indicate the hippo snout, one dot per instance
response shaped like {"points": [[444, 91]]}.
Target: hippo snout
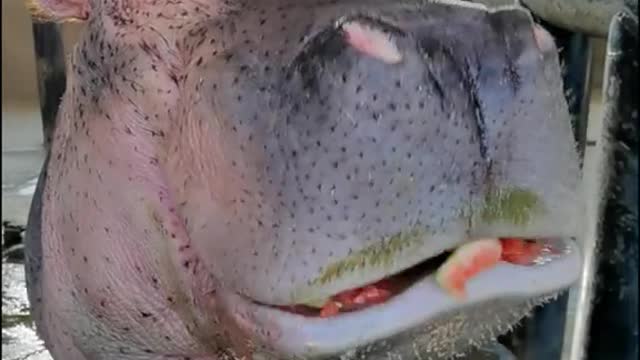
{"points": [[354, 128]]}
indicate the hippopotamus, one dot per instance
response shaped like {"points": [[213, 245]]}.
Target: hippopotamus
{"points": [[220, 169]]}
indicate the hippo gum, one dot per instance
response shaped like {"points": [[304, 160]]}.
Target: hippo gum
{"points": [[220, 170]]}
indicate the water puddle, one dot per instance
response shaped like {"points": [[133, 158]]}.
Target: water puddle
{"points": [[19, 339]]}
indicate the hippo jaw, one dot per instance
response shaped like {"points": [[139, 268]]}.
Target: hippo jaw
{"points": [[422, 320]]}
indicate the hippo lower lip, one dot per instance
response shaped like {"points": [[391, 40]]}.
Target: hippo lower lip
{"points": [[306, 334]]}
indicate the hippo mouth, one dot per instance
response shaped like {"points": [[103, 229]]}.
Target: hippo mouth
{"points": [[451, 269], [413, 299], [375, 293]]}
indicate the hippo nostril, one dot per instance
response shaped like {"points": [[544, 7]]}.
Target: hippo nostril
{"points": [[372, 42]]}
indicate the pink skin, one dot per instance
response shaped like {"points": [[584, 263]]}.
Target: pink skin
{"points": [[371, 42], [84, 301]]}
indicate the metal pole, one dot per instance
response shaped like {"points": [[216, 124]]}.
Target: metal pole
{"points": [[605, 325], [50, 71], [615, 304]]}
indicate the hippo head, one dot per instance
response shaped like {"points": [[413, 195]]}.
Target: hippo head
{"points": [[307, 147]]}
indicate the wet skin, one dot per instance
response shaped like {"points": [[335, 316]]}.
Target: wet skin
{"points": [[214, 162]]}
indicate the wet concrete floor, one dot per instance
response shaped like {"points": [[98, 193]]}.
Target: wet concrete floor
{"points": [[22, 156]]}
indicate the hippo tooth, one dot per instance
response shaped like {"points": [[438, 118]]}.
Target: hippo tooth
{"points": [[372, 42], [467, 261]]}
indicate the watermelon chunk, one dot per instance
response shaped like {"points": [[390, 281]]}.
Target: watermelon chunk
{"points": [[520, 252], [467, 261], [355, 299]]}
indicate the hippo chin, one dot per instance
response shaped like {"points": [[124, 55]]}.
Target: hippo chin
{"points": [[221, 169]]}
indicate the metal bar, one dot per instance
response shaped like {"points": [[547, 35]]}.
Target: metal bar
{"points": [[591, 17], [615, 304], [607, 293], [50, 71]]}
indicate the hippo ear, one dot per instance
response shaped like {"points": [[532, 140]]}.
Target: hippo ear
{"points": [[59, 10], [372, 41]]}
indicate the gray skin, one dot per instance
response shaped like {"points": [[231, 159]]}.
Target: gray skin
{"points": [[212, 158]]}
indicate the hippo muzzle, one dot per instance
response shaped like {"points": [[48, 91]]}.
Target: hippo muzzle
{"points": [[313, 147], [364, 140]]}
